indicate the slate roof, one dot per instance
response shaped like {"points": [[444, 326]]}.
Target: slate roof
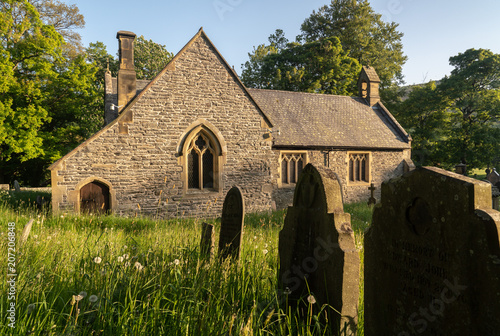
{"points": [[321, 120]]}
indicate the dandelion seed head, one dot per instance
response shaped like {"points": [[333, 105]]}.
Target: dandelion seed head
{"points": [[311, 299], [83, 294], [77, 297], [97, 260], [93, 298], [176, 262], [120, 259]]}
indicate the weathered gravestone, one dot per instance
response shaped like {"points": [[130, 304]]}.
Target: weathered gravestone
{"points": [[17, 187], [432, 258], [231, 229], [207, 241], [317, 250]]}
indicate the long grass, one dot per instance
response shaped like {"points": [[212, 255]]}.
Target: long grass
{"points": [[90, 275]]}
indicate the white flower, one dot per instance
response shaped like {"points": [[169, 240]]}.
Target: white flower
{"points": [[97, 260], [176, 262], [138, 266], [311, 299], [120, 259], [93, 298]]}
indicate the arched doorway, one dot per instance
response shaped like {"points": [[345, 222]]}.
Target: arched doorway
{"points": [[94, 198]]}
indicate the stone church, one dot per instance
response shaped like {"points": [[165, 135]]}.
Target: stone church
{"points": [[175, 145]]}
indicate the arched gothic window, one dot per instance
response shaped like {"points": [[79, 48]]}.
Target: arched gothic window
{"points": [[201, 160]]}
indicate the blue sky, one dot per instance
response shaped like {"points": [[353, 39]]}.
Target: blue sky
{"points": [[433, 30]]}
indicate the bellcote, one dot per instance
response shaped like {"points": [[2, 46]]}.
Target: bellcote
{"points": [[368, 85]]}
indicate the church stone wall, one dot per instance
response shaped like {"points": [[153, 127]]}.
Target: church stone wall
{"points": [[138, 160]]}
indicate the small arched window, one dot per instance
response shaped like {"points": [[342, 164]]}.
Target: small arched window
{"points": [[201, 160]]}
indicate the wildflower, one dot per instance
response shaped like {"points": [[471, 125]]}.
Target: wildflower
{"points": [[77, 298], [97, 260], [138, 266], [93, 298], [176, 262], [83, 294], [311, 299], [125, 256], [120, 259], [265, 251]]}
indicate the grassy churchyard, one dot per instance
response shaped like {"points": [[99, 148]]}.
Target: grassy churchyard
{"points": [[89, 275]]}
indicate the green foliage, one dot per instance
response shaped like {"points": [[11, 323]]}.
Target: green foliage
{"points": [[319, 67], [50, 101], [456, 120], [149, 58], [327, 57], [362, 34]]}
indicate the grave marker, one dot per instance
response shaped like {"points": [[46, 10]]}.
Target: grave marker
{"points": [[317, 250], [372, 200], [207, 241], [233, 215], [17, 187], [432, 258]]}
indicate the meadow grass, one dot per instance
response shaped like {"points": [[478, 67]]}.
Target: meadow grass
{"points": [[105, 275]]}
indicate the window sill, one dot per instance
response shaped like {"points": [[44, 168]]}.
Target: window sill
{"points": [[356, 184]]}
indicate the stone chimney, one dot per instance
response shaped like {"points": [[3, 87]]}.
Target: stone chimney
{"points": [[368, 84], [126, 81]]}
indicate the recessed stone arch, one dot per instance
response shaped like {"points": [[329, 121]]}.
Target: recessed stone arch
{"points": [[93, 185], [217, 145]]}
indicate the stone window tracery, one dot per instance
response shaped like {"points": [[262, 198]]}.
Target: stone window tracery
{"points": [[359, 167], [200, 163], [291, 167]]}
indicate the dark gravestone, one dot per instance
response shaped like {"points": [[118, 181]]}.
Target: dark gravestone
{"points": [[233, 214], [317, 250], [207, 241], [432, 258]]}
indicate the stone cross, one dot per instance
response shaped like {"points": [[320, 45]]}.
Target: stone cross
{"points": [[231, 229], [318, 258], [372, 200], [432, 257]]}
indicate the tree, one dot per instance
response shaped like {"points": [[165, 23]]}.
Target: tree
{"points": [[65, 19], [362, 34], [426, 115], [473, 88], [320, 67], [48, 102], [149, 58]]}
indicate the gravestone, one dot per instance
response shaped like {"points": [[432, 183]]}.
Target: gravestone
{"points": [[207, 241], [317, 250], [231, 229], [17, 187], [432, 258], [493, 177]]}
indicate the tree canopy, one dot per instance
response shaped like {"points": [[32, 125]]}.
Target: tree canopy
{"points": [[47, 101], [320, 67], [457, 120], [347, 29]]}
